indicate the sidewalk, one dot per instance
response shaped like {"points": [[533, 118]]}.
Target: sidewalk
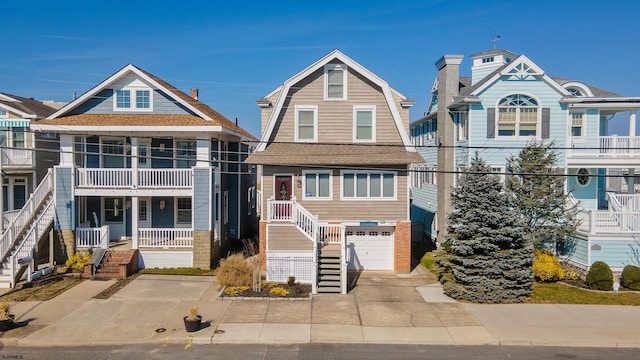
{"points": [[382, 308]]}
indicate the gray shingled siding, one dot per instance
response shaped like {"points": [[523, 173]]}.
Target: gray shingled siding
{"points": [[201, 192], [64, 197], [102, 103], [47, 155]]}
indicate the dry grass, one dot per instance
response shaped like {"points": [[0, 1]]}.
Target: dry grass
{"points": [[234, 270], [41, 292]]}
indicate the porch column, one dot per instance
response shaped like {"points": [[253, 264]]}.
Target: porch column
{"points": [[134, 221], [632, 123], [134, 162], [203, 152], [66, 150]]}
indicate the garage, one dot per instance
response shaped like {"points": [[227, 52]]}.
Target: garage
{"points": [[369, 248]]}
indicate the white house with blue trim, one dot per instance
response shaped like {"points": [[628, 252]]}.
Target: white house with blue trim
{"points": [[508, 101]]}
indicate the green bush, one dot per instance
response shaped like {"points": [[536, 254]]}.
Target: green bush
{"points": [[630, 277], [600, 276], [546, 266]]}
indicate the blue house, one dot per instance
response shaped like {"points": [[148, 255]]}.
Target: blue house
{"points": [[509, 101], [150, 168]]}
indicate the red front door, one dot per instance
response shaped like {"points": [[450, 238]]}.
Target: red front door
{"points": [[283, 187]]}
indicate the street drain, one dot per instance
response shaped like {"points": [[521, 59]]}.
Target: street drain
{"points": [[161, 330]]}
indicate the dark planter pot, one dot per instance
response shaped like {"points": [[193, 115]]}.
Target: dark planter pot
{"points": [[9, 324], [192, 325]]}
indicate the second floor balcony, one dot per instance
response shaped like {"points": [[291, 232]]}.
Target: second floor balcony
{"points": [[90, 181], [17, 158], [604, 150]]}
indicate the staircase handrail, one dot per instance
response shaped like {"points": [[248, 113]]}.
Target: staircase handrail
{"points": [[305, 221], [343, 257], [102, 250], [21, 221], [614, 202]]}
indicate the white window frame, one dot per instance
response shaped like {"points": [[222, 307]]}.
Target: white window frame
{"points": [[577, 174], [176, 209], [499, 171], [582, 126], [369, 197], [133, 99], [4, 114], [121, 201], [331, 67], [296, 129], [364, 108], [304, 185], [103, 154], [519, 108], [178, 157], [462, 123]]}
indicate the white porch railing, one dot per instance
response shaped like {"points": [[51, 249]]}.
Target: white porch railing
{"points": [[92, 237], [623, 202], [330, 233], [605, 146], [9, 216], [17, 157], [165, 238], [608, 222], [280, 210], [305, 221], [124, 178]]}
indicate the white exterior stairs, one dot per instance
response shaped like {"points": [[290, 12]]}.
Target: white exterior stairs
{"points": [[21, 237]]}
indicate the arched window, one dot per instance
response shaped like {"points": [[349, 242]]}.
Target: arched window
{"points": [[575, 92], [518, 116], [583, 176]]}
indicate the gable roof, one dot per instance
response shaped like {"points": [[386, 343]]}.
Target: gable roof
{"points": [[196, 107], [335, 54], [27, 108]]}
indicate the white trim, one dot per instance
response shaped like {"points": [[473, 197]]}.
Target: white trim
{"points": [[304, 185], [583, 126], [176, 224], [119, 74], [273, 184], [368, 197], [133, 99], [586, 92], [363, 108], [344, 70], [335, 54], [10, 109], [296, 129], [93, 129], [576, 173], [517, 123]]}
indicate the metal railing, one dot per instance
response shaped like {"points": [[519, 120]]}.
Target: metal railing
{"points": [[166, 238]]}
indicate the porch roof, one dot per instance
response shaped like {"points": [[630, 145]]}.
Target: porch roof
{"points": [[334, 154]]}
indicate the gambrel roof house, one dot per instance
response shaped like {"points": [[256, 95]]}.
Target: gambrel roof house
{"points": [[149, 167], [508, 101], [334, 152]]}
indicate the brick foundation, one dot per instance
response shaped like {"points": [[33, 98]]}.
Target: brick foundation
{"points": [[402, 247], [202, 249]]}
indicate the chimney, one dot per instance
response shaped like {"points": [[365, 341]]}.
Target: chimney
{"points": [[194, 93]]}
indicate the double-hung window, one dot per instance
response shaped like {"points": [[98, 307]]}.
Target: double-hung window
{"points": [[113, 153], [518, 116], [185, 154], [113, 211], [335, 76], [317, 185], [364, 123], [577, 124], [183, 211], [123, 99], [18, 138], [133, 99], [306, 123], [359, 185]]}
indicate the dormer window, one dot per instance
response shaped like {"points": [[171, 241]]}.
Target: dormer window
{"points": [[575, 92], [335, 76], [487, 60], [133, 99]]}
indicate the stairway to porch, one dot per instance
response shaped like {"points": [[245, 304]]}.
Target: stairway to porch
{"points": [[330, 270], [116, 264]]}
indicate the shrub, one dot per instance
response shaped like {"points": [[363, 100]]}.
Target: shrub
{"points": [[77, 261], [235, 290], [279, 291], [193, 313], [570, 274], [4, 310], [630, 277], [546, 266], [234, 270], [600, 276]]}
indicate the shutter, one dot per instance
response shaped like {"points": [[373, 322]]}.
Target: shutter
{"points": [[546, 122], [491, 123]]}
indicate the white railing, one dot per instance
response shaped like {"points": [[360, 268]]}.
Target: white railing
{"points": [[280, 210], [124, 178], [92, 237], [330, 233], [24, 250], [9, 216], [305, 221], [17, 157], [624, 202], [605, 145], [165, 178], [607, 222], [165, 238], [22, 219]]}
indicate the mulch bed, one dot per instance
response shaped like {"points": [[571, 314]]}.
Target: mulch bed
{"points": [[580, 283], [295, 291]]}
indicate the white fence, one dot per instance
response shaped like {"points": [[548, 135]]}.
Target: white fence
{"points": [[621, 202], [168, 238], [127, 178], [282, 265], [17, 157], [608, 222], [605, 145], [92, 237], [280, 210]]}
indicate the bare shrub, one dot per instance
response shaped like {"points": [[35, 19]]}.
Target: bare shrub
{"points": [[235, 271]]}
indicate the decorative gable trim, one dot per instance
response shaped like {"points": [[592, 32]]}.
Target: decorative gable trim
{"points": [[106, 84], [521, 68], [335, 54]]}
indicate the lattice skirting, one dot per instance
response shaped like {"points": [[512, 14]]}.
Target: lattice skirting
{"points": [[282, 265]]}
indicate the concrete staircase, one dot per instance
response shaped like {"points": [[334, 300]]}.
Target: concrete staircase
{"points": [[329, 271]]}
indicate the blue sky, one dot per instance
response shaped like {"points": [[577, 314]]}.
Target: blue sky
{"points": [[238, 51]]}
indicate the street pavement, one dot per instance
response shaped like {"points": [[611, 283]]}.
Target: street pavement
{"points": [[382, 308]]}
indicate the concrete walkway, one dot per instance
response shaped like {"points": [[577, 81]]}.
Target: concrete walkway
{"points": [[382, 308]]}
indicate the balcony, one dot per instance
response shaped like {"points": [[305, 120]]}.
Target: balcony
{"points": [[622, 151], [133, 182], [17, 158]]}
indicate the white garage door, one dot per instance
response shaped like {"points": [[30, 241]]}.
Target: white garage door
{"points": [[369, 248]]}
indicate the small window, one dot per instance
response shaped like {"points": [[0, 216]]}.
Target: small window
{"points": [[306, 119], [113, 211], [487, 60], [142, 210], [575, 92], [583, 176], [123, 99], [335, 80], [18, 138], [143, 99], [3, 114], [499, 172], [183, 210], [317, 185], [361, 233], [133, 99], [364, 122], [386, 233], [577, 124]]}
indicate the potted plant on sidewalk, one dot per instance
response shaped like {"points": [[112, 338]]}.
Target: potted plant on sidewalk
{"points": [[6, 318], [193, 320]]}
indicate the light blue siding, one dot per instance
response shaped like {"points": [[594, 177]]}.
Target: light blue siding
{"points": [[64, 197], [102, 103], [423, 206], [576, 249], [588, 195], [201, 192], [616, 253]]}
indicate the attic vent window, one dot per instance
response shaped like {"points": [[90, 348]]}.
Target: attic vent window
{"points": [[131, 99], [575, 92], [487, 60]]}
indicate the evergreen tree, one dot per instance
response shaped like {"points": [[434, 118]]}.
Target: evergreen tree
{"points": [[484, 257], [538, 193]]}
